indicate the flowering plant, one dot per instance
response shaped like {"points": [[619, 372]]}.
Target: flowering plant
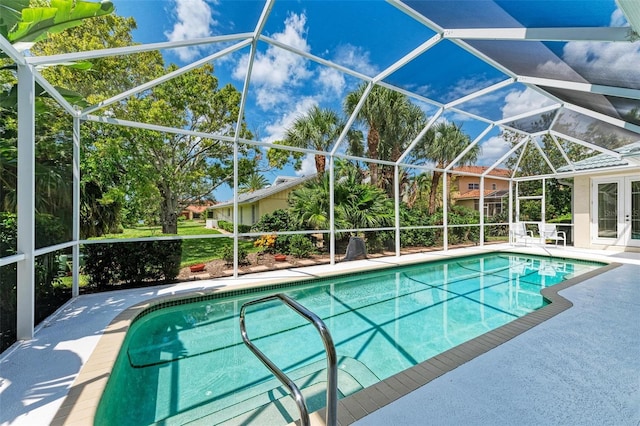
{"points": [[266, 243]]}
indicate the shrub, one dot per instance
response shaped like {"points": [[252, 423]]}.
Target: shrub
{"points": [[225, 225], [301, 246], [278, 220], [228, 226], [227, 255], [128, 263]]}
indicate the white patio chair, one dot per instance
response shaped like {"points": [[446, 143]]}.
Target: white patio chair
{"points": [[548, 231], [519, 233]]}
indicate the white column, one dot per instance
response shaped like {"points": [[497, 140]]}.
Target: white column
{"points": [[26, 202], [332, 218], [445, 212], [75, 289], [543, 215], [481, 210], [396, 190]]}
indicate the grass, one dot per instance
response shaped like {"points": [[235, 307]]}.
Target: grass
{"points": [[186, 227], [199, 250]]}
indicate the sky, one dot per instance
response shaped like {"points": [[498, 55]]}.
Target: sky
{"points": [[368, 40]]}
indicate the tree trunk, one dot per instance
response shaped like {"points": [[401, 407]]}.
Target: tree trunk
{"points": [[373, 140], [435, 181], [168, 211], [321, 162]]}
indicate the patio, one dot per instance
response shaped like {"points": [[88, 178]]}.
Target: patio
{"points": [[578, 367]]}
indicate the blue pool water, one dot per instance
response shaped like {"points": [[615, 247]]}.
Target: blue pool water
{"points": [[187, 364]]}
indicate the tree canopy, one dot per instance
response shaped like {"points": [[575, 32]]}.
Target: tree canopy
{"points": [[149, 173]]}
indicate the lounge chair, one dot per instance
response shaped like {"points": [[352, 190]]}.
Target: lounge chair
{"points": [[548, 231], [519, 233]]}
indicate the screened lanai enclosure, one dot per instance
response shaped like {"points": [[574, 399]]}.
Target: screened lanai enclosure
{"points": [[409, 123]]}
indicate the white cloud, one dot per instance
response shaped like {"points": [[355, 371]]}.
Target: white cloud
{"points": [[194, 19], [276, 130], [332, 81], [599, 62], [275, 70], [275, 67], [277, 74], [356, 58], [492, 149], [618, 19], [616, 61], [308, 166], [522, 101]]}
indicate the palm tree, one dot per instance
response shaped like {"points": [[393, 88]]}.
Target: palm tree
{"points": [[357, 205], [444, 144], [392, 122], [317, 129], [253, 182]]}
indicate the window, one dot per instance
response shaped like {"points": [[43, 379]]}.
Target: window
{"points": [[474, 186], [494, 186]]}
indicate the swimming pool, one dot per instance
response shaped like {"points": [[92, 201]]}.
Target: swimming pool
{"points": [[187, 363]]}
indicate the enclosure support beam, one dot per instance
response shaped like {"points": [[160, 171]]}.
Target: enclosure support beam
{"points": [[26, 202], [396, 198], [75, 254], [332, 211], [481, 208], [445, 210]]}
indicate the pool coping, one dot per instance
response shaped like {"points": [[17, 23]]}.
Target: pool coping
{"points": [[81, 403]]}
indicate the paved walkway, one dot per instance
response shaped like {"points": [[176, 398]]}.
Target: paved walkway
{"points": [[581, 367]]}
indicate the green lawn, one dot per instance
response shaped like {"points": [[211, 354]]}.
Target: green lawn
{"points": [[199, 250], [187, 227]]}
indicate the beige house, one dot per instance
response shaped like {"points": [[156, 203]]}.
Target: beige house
{"points": [[466, 188], [252, 205], [606, 205]]}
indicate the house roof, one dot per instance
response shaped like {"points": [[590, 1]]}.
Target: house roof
{"points": [[280, 184], [488, 193], [197, 208], [478, 170], [605, 160]]}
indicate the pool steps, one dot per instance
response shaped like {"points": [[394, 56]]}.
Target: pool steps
{"points": [[269, 403]]}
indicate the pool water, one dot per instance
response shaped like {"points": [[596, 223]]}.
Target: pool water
{"points": [[187, 364]]}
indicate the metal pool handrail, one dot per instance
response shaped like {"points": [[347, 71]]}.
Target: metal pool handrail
{"points": [[332, 371]]}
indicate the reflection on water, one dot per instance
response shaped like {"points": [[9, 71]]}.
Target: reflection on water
{"points": [[181, 361]]}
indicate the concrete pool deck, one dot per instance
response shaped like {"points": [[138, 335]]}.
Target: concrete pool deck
{"points": [[579, 367]]}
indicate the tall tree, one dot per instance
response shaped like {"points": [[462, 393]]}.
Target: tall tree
{"points": [[392, 123], [253, 182], [184, 168], [444, 143], [146, 168], [317, 129], [24, 24]]}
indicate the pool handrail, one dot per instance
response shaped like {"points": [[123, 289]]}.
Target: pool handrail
{"points": [[332, 359]]}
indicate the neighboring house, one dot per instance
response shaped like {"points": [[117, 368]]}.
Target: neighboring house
{"points": [[466, 189], [252, 205], [195, 211], [606, 205]]}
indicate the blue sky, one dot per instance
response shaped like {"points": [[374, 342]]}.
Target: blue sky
{"points": [[366, 39]]}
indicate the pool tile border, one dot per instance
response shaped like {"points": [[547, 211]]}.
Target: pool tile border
{"points": [[81, 403]]}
